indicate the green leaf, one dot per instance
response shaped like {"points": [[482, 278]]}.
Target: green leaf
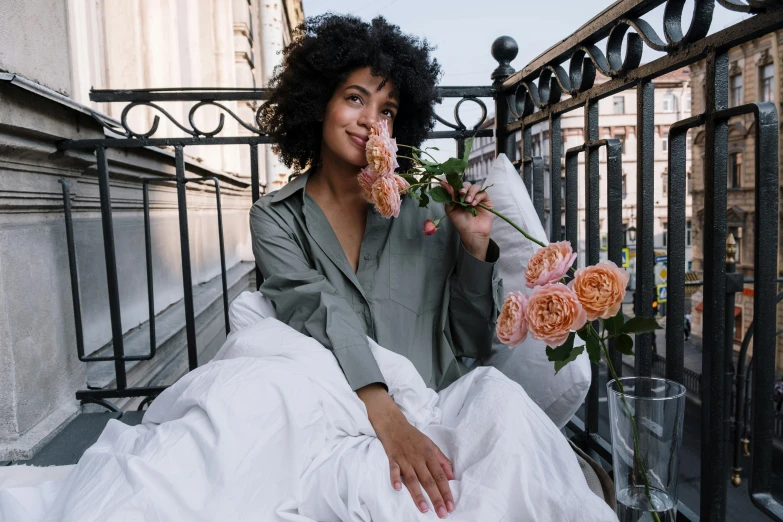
{"points": [[562, 352], [638, 325], [576, 352], [615, 324], [432, 148], [453, 166], [412, 193], [440, 195], [410, 179], [455, 180], [583, 332], [623, 344], [424, 200], [473, 211], [468, 147], [593, 348]]}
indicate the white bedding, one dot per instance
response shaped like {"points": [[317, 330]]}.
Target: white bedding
{"points": [[271, 431]]}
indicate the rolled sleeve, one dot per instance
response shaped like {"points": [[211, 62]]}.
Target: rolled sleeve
{"points": [[306, 301], [474, 302]]}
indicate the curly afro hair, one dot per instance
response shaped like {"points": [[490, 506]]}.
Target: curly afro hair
{"points": [[326, 50]]}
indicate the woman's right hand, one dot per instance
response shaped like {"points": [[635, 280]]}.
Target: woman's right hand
{"points": [[413, 457]]}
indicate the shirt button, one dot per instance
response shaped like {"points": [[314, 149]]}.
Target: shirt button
{"points": [[367, 257]]}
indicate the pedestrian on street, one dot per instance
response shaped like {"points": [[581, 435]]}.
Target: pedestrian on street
{"points": [[687, 326]]}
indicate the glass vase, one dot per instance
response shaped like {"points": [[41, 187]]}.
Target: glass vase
{"points": [[646, 416]]}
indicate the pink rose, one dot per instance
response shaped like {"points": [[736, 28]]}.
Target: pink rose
{"points": [[512, 324], [402, 185], [549, 264], [600, 289], [554, 310], [386, 196], [430, 227], [381, 149], [366, 180]]}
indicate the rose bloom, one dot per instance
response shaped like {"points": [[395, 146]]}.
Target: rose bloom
{"points": [[366, 180], [402, 185], [549, 264], [381, 149], [430, 227], [553, 310], [600, 288], [386, 196], [512, 323]]}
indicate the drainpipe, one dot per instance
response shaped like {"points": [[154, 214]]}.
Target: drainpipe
{"points": [[272, 24]]}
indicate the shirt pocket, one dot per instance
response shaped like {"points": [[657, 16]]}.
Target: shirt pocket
{"points": [[417, 273]]}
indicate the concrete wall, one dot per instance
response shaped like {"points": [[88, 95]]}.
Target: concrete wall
{"points": [[34, 42], [39, 369]]}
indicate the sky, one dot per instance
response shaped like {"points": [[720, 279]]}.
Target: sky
{"points": [[463, 31]]}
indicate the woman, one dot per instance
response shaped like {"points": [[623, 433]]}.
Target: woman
{"points": [[338, 271]]}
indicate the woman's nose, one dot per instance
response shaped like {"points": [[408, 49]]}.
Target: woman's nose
{"points": [[367, 119]]}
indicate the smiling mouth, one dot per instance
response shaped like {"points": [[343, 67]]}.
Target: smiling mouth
{"points": [[358, 141]]}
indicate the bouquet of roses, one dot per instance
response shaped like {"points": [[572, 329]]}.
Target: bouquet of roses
{"points": [[564, 302]]}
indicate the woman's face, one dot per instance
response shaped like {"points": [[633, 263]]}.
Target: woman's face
{"points": [[355, 106]]}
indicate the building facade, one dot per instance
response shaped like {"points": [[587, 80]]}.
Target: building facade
{"points": [[754, 76], [51, 53], [617, 119]]}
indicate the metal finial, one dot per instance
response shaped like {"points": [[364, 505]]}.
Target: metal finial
{"points": [[736, 480], [745, 446], [731, 249], [504, 49]]}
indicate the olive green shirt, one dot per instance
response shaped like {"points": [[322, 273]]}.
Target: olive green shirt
{"points": [[424, 297]]}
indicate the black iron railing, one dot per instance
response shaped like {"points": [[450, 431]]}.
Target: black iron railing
{"points": [[558, 81], [535, 95]]}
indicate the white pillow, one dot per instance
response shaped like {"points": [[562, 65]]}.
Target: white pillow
{"points": [[249, 308], [558, 395]]}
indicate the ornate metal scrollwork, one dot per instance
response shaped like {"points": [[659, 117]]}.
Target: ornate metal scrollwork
{"points": [[460, 125], [193, 130], [634, 33]]}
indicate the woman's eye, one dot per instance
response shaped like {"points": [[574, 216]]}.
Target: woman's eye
{"points": [[354, 97], [389, 113]]}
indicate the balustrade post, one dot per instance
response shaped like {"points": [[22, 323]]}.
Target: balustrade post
{"points": [[504, 49]]}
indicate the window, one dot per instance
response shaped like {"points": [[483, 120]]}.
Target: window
{"points": [[669, 103], [665, 142], [688, 187], [665, 235], [665, 183], [736, 90], [688, 142], [737, 232], [735, 170], [686, 102], [766, 77], [688, 233], [625, 185], [738, 323], [619, 104]]}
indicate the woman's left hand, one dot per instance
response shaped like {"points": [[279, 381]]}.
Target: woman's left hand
{"points": [[474, 231]]}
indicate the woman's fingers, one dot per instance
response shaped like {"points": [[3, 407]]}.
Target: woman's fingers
{"points": [[412, 483], [433, 480], [442, 483], [394, 470], [445, 463]]}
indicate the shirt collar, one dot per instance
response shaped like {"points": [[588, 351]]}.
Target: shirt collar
{"points": [[292, 187]]}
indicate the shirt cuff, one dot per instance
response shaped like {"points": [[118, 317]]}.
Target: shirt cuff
{"points": [[359, 366], [476, 276]]}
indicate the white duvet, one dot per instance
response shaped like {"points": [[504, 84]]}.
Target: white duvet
{"points": [[271, 431]]}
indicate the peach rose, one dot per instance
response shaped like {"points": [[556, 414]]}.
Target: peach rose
{"points": [[549, 264], [386, 196], [430, 227], [402, 185], [366, 179], [381, 149], [600, 288], [553, 311], [512, 323]]}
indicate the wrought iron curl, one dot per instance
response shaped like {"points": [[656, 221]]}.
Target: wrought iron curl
{"points": [[155, 122], [636, 33], [219, 127], [460, 125]]}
